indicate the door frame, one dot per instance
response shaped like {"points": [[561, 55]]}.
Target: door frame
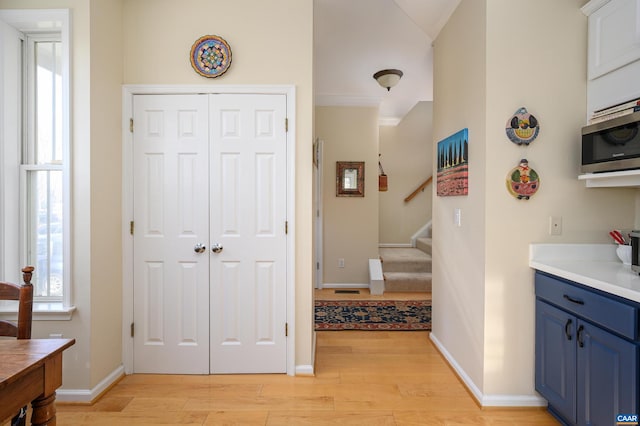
{"points": [[318, 213], [128, 92]]}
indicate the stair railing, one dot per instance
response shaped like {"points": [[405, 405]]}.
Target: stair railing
{"points": [[418, 189]]}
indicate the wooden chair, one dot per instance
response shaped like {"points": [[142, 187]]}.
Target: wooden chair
{"points": [[22, 329]]}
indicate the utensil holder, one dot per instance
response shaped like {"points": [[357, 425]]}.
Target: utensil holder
{"points": [[624, 254]]}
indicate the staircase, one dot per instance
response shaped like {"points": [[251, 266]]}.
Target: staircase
{"points": [[407, 269]]}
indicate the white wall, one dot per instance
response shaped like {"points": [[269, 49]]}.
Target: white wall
{"points": [[350, 223], [407, 159], [484, 310]]}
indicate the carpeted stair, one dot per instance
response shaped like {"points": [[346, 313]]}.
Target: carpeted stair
{"points": [[407, 269]]}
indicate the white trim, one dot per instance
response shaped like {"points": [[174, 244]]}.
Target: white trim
{"points": [[345, 285], [422, 232], [90, 395], [487, 400], [326, 99], [128, 91], [290, 92], [592, 6], [475, 392], [318, 214], [395, 245], [513, 401], [389, 121], [42, 311], [29, 22], [314, 346], [127, 238], [304, 370], [10, 136]]}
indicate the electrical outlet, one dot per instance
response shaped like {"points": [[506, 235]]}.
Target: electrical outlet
{"points": [[340, 263], [555, 225]]}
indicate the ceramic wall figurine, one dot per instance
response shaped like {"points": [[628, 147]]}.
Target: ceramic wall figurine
{"points": [[522, 127], [523, 181]]}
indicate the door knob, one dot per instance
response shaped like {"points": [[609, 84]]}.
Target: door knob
{"points": [[199, 248], [216, 248]]}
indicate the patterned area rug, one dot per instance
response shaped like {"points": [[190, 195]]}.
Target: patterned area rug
{"points": [[373, 314]]}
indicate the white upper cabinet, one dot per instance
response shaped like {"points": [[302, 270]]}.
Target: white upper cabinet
{"points": [[614, 52], [614, 35]]}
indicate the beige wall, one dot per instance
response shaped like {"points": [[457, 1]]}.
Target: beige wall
{"points": [[459, 253], [106, 180], [271, 43], [407, 159], [491, 335], [79, 358], [148, 42], [350, 224]]}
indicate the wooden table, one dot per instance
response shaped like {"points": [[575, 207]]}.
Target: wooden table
{"points": [[31, 371]]}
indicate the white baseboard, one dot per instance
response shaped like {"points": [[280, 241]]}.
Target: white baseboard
{"points": [[314, 343], [392, 245], [513, 401], [90, 395], [487, 400], [304, 370], [344, 285]]}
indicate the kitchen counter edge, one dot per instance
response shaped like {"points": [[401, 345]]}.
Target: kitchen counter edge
{"points": [[592, 265]]}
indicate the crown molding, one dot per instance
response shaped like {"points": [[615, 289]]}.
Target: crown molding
{"points": [[324, 99]]}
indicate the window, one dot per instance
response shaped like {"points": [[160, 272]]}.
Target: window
{"points": [[39, 210], [42, 165]]}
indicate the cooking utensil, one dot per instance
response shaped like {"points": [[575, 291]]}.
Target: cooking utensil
{"points": [[617, 237]]}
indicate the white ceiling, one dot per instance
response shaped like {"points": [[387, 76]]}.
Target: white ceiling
{"points": [[355, 38]]}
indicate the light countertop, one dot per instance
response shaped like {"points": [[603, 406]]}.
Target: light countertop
{"points": [[593, 265]]}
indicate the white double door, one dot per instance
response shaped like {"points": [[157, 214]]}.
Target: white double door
{"points": [[209, 238]]}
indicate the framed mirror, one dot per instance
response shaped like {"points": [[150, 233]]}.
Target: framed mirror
{"points": [[350, 179]]}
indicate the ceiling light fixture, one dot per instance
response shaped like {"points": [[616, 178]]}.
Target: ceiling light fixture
{"points": [[388, 78]]}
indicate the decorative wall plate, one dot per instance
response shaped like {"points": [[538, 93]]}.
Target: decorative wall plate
{"points": [[522, 127], [523, 181], [210, 56]]}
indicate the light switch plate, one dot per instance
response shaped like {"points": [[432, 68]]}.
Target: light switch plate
{"points": [[457, 217]]}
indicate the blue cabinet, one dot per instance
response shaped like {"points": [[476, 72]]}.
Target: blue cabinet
{"points": [[607, 376], [556, 359], [587, 352]]}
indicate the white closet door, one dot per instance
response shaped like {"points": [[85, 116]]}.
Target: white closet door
{"points": [[171, 212], [248, 215]]}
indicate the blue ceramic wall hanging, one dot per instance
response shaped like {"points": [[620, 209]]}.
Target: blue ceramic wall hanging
{"points": [[210, 56], [522, 127]]}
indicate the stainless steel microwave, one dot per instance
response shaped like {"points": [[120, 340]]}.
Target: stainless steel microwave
{"points": [[612, 145]]}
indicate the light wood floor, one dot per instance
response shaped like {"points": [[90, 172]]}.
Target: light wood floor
{"points": [[363, 294], [362, 378]]}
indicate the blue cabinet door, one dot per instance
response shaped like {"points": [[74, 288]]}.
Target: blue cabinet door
{"points": [[556, 359], [607, 376]]}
